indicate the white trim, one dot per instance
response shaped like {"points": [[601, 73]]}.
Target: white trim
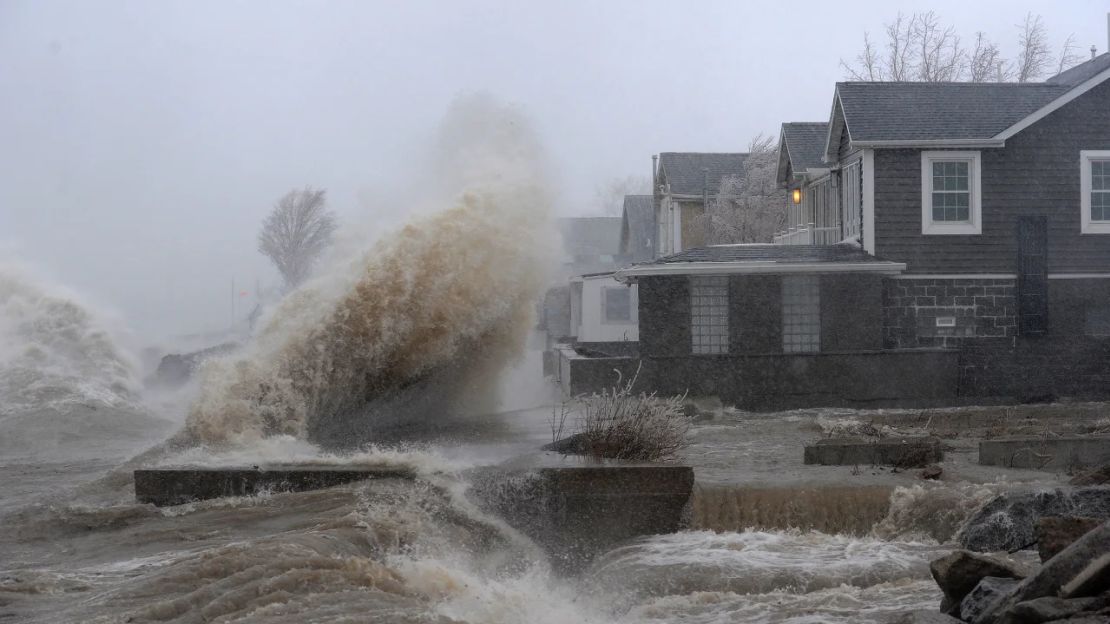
{"points": [[1087, 225], [975, 194], [1057, 276], [868, 233], [1052, 106], [981, 276], [758, 268], [1079, 276], [925, 143]]}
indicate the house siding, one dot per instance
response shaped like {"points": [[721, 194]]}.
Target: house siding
{"points": [[1037, 173], [665, 316]]}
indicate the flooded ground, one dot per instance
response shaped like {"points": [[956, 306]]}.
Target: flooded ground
{"points": [[78, 548]]}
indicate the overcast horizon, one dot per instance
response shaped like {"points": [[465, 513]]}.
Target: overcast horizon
{"points": [[145, 142]]}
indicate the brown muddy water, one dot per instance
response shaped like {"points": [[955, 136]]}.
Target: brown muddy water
{"points": [[772, 541]]}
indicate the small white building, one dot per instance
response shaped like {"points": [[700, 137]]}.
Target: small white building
{"points": [[603, 309]]}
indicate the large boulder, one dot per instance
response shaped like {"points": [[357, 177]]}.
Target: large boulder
{"points": [[1095, 476], [981, 604], [1008, 521], [1054, 533], [959, 572], [1057, 572], [1049, 609]]}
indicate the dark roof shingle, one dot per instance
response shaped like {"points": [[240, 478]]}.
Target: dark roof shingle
{"points": [[909, 111], [1082, 72], [805, 143], [686, 171]]}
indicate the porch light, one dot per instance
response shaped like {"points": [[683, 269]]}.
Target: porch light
{"points": [[797, 195]]}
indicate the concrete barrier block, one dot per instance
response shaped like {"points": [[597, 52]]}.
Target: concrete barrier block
{"points": [[1045, 453], [177, 486], [909, 452]]}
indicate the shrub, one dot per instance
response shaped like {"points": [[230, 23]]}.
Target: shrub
{"points": [[619, 424]]}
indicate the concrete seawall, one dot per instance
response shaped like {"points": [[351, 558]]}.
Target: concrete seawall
{"points": [[1045, 453], [577, 513], [177, 486]]}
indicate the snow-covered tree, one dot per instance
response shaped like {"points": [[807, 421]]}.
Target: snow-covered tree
{"points": [[749, 207], [295, 233]]}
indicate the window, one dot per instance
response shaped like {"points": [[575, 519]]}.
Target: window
{"points": [[709, 314], [616, 304], [801, 314], [1094, 183], [950, 193]]}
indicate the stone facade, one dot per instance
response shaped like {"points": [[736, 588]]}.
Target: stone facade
{"points": [[944, 312]]}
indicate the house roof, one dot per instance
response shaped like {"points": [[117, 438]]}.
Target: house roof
{"points": [[930, 111], [1082, 72], [591, 236], [802, 145], [806, 143], [764, 258], [686, 171], [637, 226]]}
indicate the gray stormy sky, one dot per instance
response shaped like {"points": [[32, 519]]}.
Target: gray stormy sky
{"points": [[141, 143]]}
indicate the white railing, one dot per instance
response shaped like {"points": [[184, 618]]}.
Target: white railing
{"points": [[808, 235]]}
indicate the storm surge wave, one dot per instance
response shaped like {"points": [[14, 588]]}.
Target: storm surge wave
{"points": [[409, 327], [64, 378]]}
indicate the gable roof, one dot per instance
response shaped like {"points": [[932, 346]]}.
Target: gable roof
{"points": [[1082, 72], [764, 258], [802, 145], [898, 111], [686, 172], [591, 236], [983, 114], [638, 227]]}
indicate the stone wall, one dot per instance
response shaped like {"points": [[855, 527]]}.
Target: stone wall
{"points": [[1035, 369], [974, 308]]}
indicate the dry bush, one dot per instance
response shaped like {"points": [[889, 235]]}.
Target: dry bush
{"points": [[620, 424]]}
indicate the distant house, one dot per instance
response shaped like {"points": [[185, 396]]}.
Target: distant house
{"points": [[685, 183], [587, 304], [638, 228], [950, 244]]}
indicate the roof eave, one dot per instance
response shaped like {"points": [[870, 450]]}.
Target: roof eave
{"points": [[913, 143], [769, 267], [1052, 106]]}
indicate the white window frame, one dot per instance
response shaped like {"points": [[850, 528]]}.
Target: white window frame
{"points": [[975, 193], [1089, 226]]}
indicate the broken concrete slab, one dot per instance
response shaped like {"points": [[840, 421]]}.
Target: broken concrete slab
{"points": [[177, 486], [907, 452], [1045, 453], [577, 513], [959, 572]]}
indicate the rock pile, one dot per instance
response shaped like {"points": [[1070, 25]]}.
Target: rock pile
{"points": [[1072, 586]]}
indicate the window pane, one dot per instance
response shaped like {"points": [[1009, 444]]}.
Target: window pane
{"points": [[1100, 175], [709, 314], [1100, 206], [618, 304], [801, 318]]}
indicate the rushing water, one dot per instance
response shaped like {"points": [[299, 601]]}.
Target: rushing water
{"points": [[388, 342]]}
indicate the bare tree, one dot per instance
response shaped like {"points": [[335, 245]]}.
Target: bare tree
{"points": [[749, 207], [939, 55], [922, 48], [985, 62], [1034, 54], [610, 195], [295, 232], [1069, 54]]}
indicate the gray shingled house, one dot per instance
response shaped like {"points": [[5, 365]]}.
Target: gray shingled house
{"points": [[950, 244], [684, 183]]}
